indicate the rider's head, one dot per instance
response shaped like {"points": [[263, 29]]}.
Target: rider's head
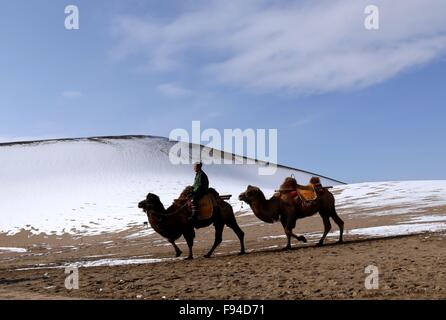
{"points": [[197, 166]]}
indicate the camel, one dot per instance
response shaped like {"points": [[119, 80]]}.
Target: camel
{"points": [[289, 212], [172, 223], [272, 210]]}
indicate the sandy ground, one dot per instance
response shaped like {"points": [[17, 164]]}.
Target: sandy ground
{"points": [[410, 267]]}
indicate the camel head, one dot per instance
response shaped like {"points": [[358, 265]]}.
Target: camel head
{"points": [[152, 203], [252, 193]]}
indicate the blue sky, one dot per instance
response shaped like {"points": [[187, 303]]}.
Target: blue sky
{"points": [[349, 103]]}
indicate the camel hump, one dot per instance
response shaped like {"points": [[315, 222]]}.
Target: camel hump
{"points": [[185, 194], [290, 183], [213, 192]]}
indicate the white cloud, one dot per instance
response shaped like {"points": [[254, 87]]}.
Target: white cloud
{"points": [[174, 90], [305, 47], [72, 94]]}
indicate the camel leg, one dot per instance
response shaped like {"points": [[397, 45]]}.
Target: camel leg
{"points": [[240, 234], [289, 231], [189, 235], [340, 224], [290, 227], [289, 234], [283, 221], [327, 228], [299, 238], [218, 238], [177, 250]]}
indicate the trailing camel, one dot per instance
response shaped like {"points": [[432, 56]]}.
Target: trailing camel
{"points": [[291, 209], [173, 222]]}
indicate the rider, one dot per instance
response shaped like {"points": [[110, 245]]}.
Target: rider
{"points": [[199, 189]]}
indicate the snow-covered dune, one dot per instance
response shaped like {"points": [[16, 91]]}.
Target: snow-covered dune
{"points": [[394, 207], [391, 197], [93, 185]]}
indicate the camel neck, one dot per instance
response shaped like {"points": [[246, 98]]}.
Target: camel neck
{"points": [[263, 210], [159, 210]]}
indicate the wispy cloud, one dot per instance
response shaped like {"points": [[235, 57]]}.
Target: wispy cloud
{"points": [[213, 115], [304, 120], [72, 94], [305, 47], [174, 90]]}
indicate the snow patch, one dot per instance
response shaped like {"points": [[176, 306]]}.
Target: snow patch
{"points": [[400, 229], [10, 249], [98, 263]]}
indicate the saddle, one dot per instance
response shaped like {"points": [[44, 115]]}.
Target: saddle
{"points": [[290, 191], [205, 207], [307, 193]]}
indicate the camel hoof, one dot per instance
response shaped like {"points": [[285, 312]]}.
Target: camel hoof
{"points": [[320, 244], [207, 256], [302, 239], [340, 242], [178, 254], [241, 253], [286, 248], [189, 258]]}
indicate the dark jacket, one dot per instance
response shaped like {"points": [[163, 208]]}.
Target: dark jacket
{"points": [[201, 184]]}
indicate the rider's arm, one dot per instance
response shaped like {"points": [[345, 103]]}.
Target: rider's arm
{"points": [[197, 184]]}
